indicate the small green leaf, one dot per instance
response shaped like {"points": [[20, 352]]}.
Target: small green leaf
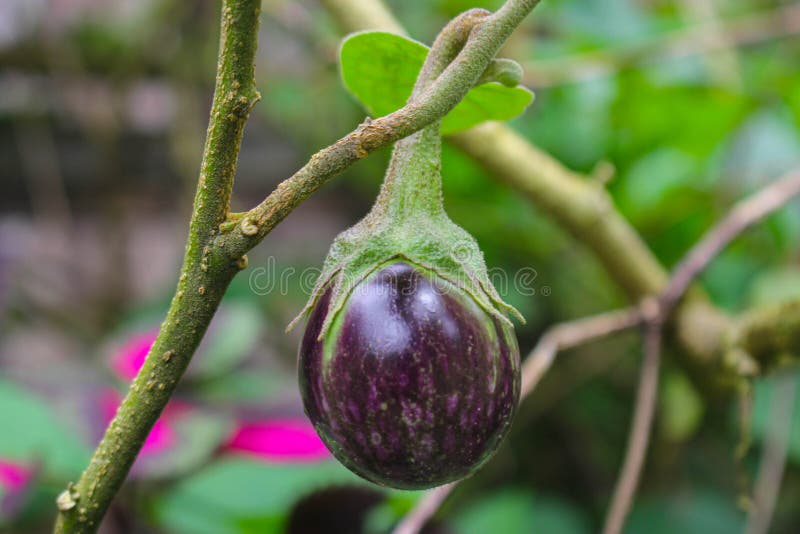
{"points": [[681, 407], [516, 510], [690, 511], [197, 437], [32, 431], [236, 330], [242, 496], [380, 69], [764, 409]]}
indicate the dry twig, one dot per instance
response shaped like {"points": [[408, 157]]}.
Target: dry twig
{"points": [[773, 459], [742, 216]]}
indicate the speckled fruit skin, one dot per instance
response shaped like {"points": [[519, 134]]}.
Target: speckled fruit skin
{"points": [[414, 385]]}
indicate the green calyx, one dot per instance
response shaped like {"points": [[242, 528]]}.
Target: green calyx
{"points": [[408, 222]]}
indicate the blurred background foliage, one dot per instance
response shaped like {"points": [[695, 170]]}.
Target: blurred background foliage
{"points": [[103, 106]]}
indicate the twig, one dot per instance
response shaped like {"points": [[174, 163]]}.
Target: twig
{"points": [[569, 335], [773, 459], [216, 244], [742, 216], [424, 510], [639, 436]]}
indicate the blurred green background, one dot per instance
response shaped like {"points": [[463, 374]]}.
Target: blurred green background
{"points": [[103, 108]]}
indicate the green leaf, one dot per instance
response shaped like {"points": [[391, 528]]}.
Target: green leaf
{"points": [[33, 432], [380, 69], [198, 435], [249, 386], [520, 511], [681, 407], [241, 496], [775, 285], [690, 512], [764, 410], [396, 505], [235, 329]]}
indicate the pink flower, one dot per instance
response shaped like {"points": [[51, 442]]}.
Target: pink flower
{"points": [[162, 436], [130, 357], [278, 440], [13, 476], [15, 479]]}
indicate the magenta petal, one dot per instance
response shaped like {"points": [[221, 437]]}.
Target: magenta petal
{"points": [[162, 436], [278, 440], [13, 476], [130, 357]]}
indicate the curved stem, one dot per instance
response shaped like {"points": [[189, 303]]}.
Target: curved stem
{"points": [[432, 103], [413, 182], [203, 280]]}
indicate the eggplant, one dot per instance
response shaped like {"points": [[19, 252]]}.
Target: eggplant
{"points": [[409, 366], [413, 384]]}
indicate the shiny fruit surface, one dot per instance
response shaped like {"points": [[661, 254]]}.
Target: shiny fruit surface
{"points": [[414, 385]]}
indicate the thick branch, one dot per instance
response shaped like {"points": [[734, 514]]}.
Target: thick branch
{"points": [[580, 206], [356, 15], [202, 282], [766, 335]]}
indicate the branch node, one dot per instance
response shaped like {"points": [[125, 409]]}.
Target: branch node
{"points": [[249, 228], [502, 70], [651, 310], [67, 499]]}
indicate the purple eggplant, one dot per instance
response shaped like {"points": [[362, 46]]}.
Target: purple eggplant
{"points": [[414, 384]]}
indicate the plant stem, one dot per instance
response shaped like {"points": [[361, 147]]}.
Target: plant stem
{"points": [[216, 245], [413, 183], [432, 104], [203, 280], [412, 187]]}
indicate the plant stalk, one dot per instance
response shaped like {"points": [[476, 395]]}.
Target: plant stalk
{"points": [[203, 279]]}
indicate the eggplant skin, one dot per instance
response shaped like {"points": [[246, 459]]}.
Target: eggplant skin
{"points": [[414, 385]]}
